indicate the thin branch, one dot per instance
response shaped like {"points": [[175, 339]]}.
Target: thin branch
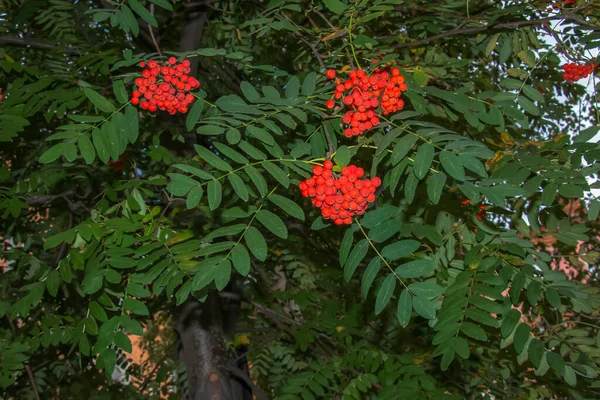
{"points": [[36, 392], [313, 49], [151, 374], [35, 43], [329, 141], [152, 33], [500, 26]]}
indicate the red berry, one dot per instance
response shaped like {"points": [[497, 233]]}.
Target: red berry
{"points": [[330, 74], [330, 104]]}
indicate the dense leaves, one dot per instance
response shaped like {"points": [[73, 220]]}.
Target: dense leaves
{"points": [[472, 274]]}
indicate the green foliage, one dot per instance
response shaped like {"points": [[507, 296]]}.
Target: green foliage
{"points": [[472, 275]]}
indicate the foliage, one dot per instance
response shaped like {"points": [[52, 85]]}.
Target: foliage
{"points": [[113, 217]]}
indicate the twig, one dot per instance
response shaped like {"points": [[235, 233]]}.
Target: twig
{"points": [[152, 32], [151, 373], [36, 393], [313, 48], [329, 142]]}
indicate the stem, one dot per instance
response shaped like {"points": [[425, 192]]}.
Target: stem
{"points": [[152, 33], [380, 256], [350, 41]]}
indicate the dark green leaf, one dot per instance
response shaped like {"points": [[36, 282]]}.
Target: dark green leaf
{"points": [[452, 165], [273, 223], [215, 194], [423, 160], [256, 243], [356, 256], [290, 207], [400, 249], [143, 13], [386, 290], [405, 306], [98, 100]]}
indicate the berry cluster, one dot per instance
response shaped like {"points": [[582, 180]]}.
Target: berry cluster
{"points": [[165, 87], [363, 94], [482, 209], [340, 198], [574, 72]]}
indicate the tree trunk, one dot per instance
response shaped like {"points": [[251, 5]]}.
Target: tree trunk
{"points": [[203, 327]]}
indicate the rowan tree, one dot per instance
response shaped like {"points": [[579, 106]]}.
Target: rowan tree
{"points": [[336, 199]]}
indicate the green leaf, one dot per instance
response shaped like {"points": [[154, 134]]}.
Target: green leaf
{"points": [[533, 94], [549, 194], [570, 190], [52, 282], [473, 164], [423, 160], [222, 274], [238, 186], [521, 337], [292, 87], [426, 289], [335, 6], [123, 342], [101, 145], [212, 159], [416, 269], [435, 186], [163, 3], [98, 100], [553, 297], [52, 153], [405, 307], [536, 351], [342, 156], [280, 175], [143, 13], [410, 187], [570, 376], [447, 358], [194, 115], [249, 91], [260, 134], [556, 362], [452, 165], [528, 106], [424, 307], [257, 179], [346, 245], [122, 262], [86, 148], [241, 259], [194, 196], [510, 321], [256, 243], [400, 249], [135, 306], [403, 147], [215, 194], [120, 92], [287, 205], [98, 312], [370, 275], [233, 136], [193, 170], [309, 84], [461, 346], [473, 331], [356, 256], [384, 295], [273, 223], [593, 210], [107, 360]]}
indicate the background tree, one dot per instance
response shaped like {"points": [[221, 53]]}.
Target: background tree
{"points": [[187, 236]]}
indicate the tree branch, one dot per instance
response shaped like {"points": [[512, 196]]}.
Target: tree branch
{"points": [[36, 392], [34, 43], [500, 26]]}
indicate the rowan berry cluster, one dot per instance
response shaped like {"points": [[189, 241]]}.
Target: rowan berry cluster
{"points": [[340, 198], [364, 95], [165, 87], [574, 72]]}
